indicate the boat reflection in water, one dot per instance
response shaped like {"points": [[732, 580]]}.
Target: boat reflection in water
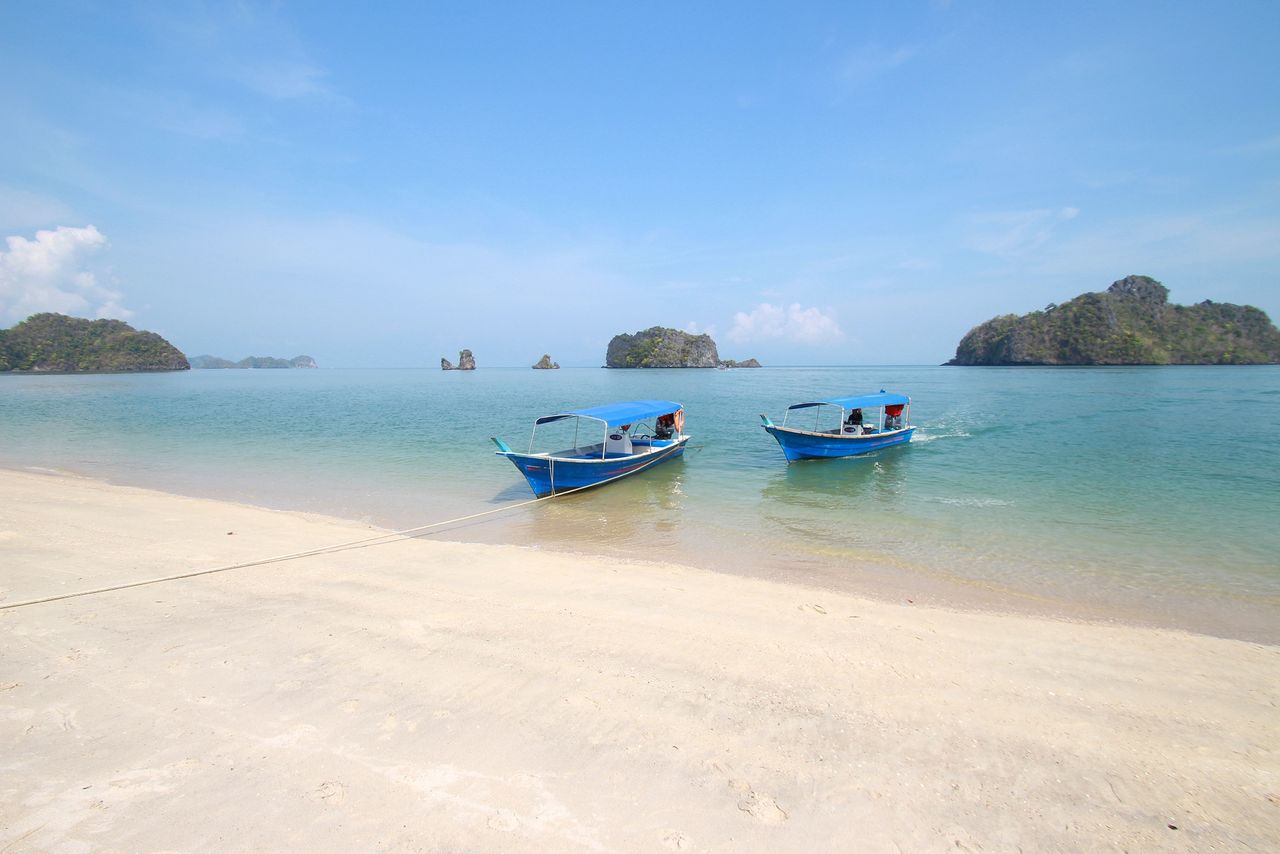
{"points": [[641, 517], [881, 478]]}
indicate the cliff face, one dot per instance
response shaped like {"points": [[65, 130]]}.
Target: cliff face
{"points": [[1132, 323], [660, 347], [61, 344], [466, 362]]}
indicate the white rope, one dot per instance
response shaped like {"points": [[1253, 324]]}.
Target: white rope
{"points": [[380, 540]]}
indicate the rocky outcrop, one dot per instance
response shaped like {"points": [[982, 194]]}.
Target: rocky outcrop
{"points": [[211, 362], [545, 364], [660, 347], [466, 362], [1132, 323], [749, 363], [61, 344]]}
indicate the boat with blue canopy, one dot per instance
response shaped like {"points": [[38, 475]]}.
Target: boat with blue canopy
{"points": [[867, 423], [608, 443]]}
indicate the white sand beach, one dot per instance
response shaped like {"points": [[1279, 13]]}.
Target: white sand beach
{"points": [[429, 696]]}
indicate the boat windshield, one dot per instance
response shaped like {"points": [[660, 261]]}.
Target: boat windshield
{"points": [[571, 437], [577, 435], [860, 414], [816, 417]]}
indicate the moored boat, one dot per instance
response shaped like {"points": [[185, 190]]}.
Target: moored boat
{"points": [[856, 433], [634, 435]]}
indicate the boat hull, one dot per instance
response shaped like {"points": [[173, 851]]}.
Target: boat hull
{"points": [[807, 445], [552, 475]]}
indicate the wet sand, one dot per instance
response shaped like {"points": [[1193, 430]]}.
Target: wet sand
{"points": [[428, 695]]}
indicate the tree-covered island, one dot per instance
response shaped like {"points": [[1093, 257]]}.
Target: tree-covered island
{"points": [[56, 343], [662, 347], [1131, 323], [214, 362]]}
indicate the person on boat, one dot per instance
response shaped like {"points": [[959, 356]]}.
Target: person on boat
{"points": [[665, 426], [893, 417], [853, 424]]}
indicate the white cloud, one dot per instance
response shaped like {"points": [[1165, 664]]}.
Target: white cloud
{"points": [[868, 62], [282, 80], [1170, 242], [256, 45], [693, 328], [1014, 232], [793, 323], [51, 273], [1268, 145]]}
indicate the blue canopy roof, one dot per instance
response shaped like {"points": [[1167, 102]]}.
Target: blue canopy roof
{"points": [[617, 414], [883, 398]]}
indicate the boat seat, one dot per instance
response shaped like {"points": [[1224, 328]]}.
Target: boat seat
{"points": [[618, 443]]}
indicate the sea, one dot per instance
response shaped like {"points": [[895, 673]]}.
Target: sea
{"points": [[1137, 495]]}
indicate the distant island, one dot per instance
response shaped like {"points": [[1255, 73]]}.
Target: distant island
{"points": [[662, 347], [212, 362], [466, 362], [56, 343], [1132, 323], [545, 364]]}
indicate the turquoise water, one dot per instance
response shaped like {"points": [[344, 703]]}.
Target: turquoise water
{"points": [[1141, 494]]}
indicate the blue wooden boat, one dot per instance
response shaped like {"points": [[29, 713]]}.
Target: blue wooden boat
{"points": [[855, 432], [633, 435]]}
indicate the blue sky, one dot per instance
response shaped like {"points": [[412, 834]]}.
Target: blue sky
{"points": [[823, 183]]}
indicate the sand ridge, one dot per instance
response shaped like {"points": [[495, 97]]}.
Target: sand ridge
{"points": [[430, 695]]}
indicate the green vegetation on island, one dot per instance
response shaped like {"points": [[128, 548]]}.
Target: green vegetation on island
{"points": [[56, 343], [1132, 323], [662, 347], [211, 362]]}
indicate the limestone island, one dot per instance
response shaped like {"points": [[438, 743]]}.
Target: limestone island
{"points": [[662, 347], [212, 362], [466, 362], [545, 364], [1132, 323], [56, 343]]}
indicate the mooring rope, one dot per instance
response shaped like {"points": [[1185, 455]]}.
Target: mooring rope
{"points": [[380, 540]]}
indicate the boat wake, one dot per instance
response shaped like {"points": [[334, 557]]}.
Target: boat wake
{"points": [[923, 438]]}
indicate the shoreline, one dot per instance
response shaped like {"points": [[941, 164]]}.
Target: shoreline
{"points": [[880, 577], [440, 695], [988, 601]]}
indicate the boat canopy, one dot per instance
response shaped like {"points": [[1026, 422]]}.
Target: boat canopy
{"points": [[617, 414], [862, 401]]}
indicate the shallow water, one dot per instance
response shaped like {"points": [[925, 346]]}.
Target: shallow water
{"points": [[1140, 494]]}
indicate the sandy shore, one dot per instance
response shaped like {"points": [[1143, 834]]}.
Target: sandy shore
{"points": [[435, 696]]}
